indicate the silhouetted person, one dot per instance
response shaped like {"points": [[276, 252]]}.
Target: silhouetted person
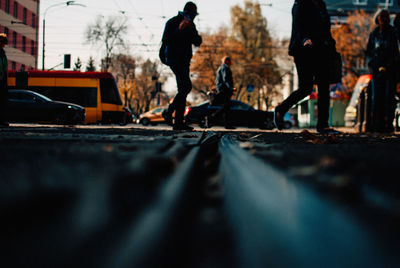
{"points": [[382, 56], [3, 80], [224, 90], [313, 49], [180, 34]]}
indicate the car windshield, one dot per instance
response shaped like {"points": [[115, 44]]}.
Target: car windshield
{"points": [[241, 106], [42, 97]]}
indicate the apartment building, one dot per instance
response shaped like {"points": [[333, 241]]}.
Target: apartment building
{"points": [[20, 21], [339, 9]]}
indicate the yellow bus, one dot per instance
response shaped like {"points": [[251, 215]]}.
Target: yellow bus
{"points": [[96, 91]]}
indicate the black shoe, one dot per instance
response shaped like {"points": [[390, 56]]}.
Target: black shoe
{"points": [[167, 117], [278, 120], [182, 127], [327, 130]]}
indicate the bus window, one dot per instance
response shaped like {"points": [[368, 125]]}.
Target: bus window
{"points": [[109, 91], [84, 96]]}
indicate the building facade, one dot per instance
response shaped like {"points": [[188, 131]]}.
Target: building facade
{"points": [[340, 9], [20, 21]]}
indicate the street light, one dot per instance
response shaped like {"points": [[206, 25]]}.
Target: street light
{"points": [[67, 3]]}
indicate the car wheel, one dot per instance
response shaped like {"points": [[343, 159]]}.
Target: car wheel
{"points": [[268, 124], [287, 125], [60, 119], [123, 121], [145, 121]]}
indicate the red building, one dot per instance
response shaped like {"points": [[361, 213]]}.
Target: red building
{"points": [[20, 21]]}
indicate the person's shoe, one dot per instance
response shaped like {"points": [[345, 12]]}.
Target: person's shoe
{"points": [[278, 120], [167, 117], [4, 124], [182, 127], [327, 130]]}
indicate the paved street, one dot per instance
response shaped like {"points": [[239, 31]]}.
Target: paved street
{"points": [[133, 196]]}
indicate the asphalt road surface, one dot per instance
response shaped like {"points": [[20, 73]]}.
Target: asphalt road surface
{"points": [[133, 196]]}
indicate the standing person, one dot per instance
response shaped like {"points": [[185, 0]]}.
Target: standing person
{"points": [[225, 90], [382, 56], [180, 34], [313, 49], [3, 80]]}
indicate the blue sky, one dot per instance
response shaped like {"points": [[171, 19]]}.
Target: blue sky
{"points": [[65, 26]]}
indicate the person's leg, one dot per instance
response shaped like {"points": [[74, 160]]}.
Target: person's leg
{"points": [[322, 76], [390, 104], [184, 87], [304, 65], [378, 98]]}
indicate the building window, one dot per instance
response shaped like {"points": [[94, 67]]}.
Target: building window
{"points": [[14, 39], [360, 2], [23, 43], [7, 6], [385, 3], [24, 16], [6, 31], [33, 20], [16, 9], [32, 48]]}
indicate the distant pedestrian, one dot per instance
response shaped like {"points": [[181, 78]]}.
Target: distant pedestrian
{"points": [[3, 80], [224, 91], [180, 34], [313, 49], [382, 56]]}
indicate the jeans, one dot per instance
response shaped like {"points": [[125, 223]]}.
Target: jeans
{"points": [[383, 102], [312, 67], [184, 84]]}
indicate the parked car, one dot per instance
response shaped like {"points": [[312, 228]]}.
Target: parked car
{"points": [[153, 117], [242, 114], [128, 117], [288, 121], [29, 106]]}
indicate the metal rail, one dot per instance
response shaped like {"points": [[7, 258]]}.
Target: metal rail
{"points": [[154, 239], [278, 222]]}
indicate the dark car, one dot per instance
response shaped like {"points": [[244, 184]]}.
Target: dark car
{"points": [[242, 114], [29, 106]]}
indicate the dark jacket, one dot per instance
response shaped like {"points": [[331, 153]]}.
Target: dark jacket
{"points": [[383, 50], [311, 21], [3, 70], [178, 44], [224, 79]]}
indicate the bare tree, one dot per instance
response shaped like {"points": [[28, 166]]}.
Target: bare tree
{"points": [[107, 33], [123, 68]]}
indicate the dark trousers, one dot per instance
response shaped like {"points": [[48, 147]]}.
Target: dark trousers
{"points": [[312, 67], [383, 102], [225, 109], [184, 84], [3, 102]]}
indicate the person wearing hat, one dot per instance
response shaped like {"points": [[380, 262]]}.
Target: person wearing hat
{"points": [[382, 58], [3, 80], [179, 35]]}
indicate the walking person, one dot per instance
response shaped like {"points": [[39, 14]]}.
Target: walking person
{"points": [[224, 90], [313, 49], [382, 56], [3, 80], [180, 34]]}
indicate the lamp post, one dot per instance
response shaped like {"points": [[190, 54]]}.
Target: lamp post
{"points": [[67, 3]]}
